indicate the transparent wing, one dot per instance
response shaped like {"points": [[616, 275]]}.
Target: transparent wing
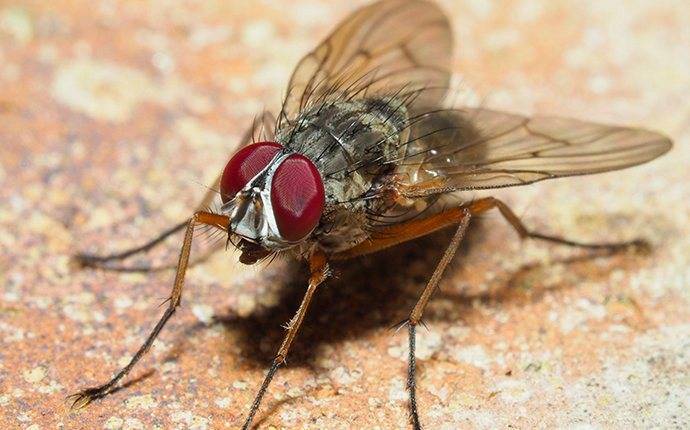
{"points": [[468, 149], [391, 46]]}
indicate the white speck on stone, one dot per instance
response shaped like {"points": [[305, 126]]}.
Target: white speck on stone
{"points": [[240, 385], [145, 401], [123, 302], [169, 366], [428, 343], [191, 421], [442, 393], [84, 298], [198, 134], [10, 296], [481, 8], [572, 318], [34, 375], [41, 302], [474, 355], [295, 392], [257, 33], [203, 313], [324, 357], [397, 391], [502, 38], [458, 332], [479, 419], [288, 415], [133, 424], [51, 387], [16, 22], [163, 61], [204, 36], [584, 426], [100, 89], [513, 391], [600, 84], [123, 361], [398, 351], [223, 402], [114, 423], [14, 333], [245, 305], [343, 376]]}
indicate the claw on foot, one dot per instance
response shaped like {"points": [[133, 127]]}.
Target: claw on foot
{"points": [[641, 246], [83, 261], [83, 398], [637, 246]]}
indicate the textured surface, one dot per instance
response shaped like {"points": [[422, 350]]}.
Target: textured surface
{"points": [[112, 115]]}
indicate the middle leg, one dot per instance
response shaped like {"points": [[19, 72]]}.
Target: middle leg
{"points": [[399, 233], [416, 315]]}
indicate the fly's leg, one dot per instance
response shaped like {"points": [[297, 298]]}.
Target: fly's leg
{"points": [[417, 312], [485, 204], [93, 260], [318, 268], [100, 261], [86, 396], [463, 216], [399, 233]]}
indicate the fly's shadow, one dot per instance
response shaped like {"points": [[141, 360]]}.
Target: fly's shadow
{"points": [[367, 293]]}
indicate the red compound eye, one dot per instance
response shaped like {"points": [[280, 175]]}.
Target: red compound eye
{"points": [[297, 197], [244, 165]]}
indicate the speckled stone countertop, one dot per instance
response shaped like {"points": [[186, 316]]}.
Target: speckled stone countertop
{"points": [[113, 116]]}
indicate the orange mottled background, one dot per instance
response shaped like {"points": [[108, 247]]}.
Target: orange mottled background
{"points": [[115, 114]]}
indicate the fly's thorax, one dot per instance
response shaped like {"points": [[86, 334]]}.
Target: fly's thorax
{"points": [[342, 135], [352, 142]]}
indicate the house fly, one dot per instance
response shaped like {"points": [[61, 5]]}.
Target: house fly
{"points": [[364, 155]]}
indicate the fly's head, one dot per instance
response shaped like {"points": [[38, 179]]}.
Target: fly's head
{"points": [[274, 198]]}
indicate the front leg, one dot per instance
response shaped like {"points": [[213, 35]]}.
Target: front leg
{"points": [[319, 271], [86, 396]]}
